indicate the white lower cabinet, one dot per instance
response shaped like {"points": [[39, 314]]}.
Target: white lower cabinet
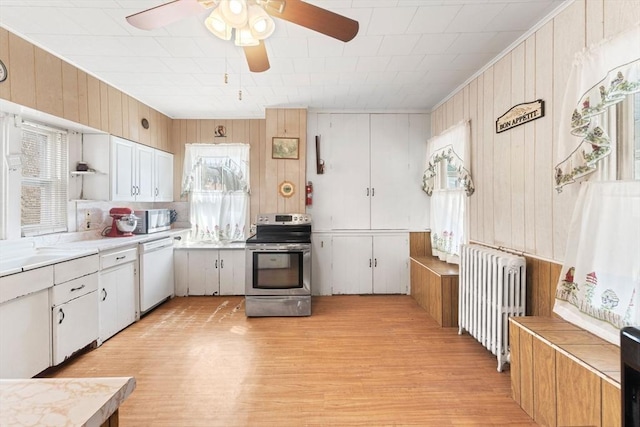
{"points": [[209, 271], [321, 264], [366, 264], [25, 335], [117, 295], [74, 299], [75, 325]]}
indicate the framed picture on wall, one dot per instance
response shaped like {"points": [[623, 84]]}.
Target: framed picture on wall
{"points": [[285, 148]]}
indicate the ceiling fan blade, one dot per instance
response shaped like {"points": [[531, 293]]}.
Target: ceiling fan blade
{"points": [[165, 14], [257, 57], [317, 19]]}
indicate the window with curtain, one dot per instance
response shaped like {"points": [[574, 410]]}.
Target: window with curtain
{"points": [[599, 287], [216, 178], [45, 172], [448, 181]]}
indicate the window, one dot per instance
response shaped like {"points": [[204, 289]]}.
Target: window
{"points": [[216, 177], [44, 180], [622, 124]]}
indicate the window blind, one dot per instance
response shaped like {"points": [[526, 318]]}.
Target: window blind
{"points": [[44, 180]]}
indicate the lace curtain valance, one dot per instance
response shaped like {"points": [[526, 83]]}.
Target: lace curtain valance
{"points": [[602, 76]]}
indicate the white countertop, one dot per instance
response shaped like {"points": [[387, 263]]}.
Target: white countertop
{"points": [[21, 257], [62, 401]]}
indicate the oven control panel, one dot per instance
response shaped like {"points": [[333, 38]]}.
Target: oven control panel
{"points": [[283, 219]]}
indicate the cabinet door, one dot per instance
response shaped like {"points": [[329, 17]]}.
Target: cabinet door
{"points": [[231, 268], [349, 169], [163, 190], [122, 169], [390, 179], [25, 347], [321, 264], [75, 325], [391, 264], [352, 265], [108, 306], [145, 178], [203, 272], [127, 295]]}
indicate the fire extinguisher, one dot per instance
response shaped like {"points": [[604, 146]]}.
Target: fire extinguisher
{"points": [[309, 191]]}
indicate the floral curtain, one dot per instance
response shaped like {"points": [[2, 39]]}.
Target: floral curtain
{"points": [[599, 285], [448, 154], [602, 76], [216, 177]]}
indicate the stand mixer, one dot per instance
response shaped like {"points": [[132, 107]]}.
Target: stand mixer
{"points": [[123, 224]]}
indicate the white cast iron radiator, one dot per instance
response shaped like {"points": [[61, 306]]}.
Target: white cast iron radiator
{"points": [[492, 288]]}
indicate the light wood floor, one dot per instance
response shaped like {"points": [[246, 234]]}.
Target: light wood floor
{"points": [[358, 360]]}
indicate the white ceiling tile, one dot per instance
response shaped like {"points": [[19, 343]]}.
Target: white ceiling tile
{"points": [[179, 47], [473, 43], [433, 19], [430, 44], [405, 62], [390, 20], [341, 65], [324, 47], [373, 63], [398, 44], [289, 48], [474, 17], [308, 65], [518, 17]]}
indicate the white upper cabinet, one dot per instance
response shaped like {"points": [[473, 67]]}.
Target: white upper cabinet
{"points": [[126, 171], [373, 166], [390, 179], [163, 191], [348, 136]]}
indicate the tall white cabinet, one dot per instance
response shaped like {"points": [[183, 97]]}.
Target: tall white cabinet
{"points": [[126, 171], [367, 200]]}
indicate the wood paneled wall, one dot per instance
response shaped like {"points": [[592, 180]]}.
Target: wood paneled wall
{"points": [[266, 173], [515, 204], [44, 82]]}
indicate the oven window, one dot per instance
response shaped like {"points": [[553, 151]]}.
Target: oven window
{"points": [[277, 270]]}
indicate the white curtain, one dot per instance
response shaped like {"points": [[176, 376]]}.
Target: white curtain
{"points": [[602, 76], [216, 177], [448, 181], [600, 281], [447, 224]]}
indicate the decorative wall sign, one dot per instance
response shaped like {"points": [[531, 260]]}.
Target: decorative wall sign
{"points": [[285, 148], [287, 189], [520, 114]]}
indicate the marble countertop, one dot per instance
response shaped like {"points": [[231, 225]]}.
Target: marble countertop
{"points": [[62, 401]]}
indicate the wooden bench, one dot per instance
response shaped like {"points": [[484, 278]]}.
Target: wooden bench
{"points": [[562, 375], [434, 285]]}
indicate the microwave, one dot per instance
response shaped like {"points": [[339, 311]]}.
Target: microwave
{"points": [[152, 221]]}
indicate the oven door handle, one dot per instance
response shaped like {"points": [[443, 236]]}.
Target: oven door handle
{"points": [[282, 247]]}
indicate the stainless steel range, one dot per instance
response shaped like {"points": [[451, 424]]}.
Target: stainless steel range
{"points": [[278, 279]]}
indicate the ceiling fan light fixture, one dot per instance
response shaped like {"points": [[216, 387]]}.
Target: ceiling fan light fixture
{"points": [[234, 12], [260, 23], [244, 37], [217, 25]]}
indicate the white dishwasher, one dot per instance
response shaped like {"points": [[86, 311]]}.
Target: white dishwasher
{"points": [[156, 272]]}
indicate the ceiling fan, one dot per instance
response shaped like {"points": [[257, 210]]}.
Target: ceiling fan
{"points": [[250, 20]]}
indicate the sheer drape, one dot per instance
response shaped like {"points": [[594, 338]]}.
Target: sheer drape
{"points": [[602, 76], [600, 281], [448, 181], [216, 177]]}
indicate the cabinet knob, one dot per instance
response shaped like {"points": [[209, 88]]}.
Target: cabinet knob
{"points": [[221, 263], [367, 191], [60, 313], [77, 289], [373, 191], [104, 294]]}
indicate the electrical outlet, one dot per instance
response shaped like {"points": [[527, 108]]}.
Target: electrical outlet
{"points": [[87, 220]]}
